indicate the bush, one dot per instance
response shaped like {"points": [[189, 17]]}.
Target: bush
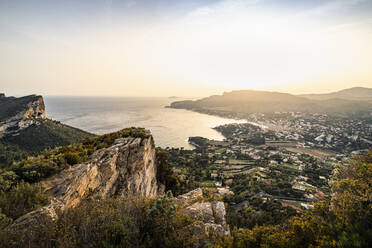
{"points": [[22, 199], [345, 220], [166, 226], [72, 158], [165, 174], [129, 222]]}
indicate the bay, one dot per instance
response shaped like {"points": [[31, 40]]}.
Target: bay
{"points": [[99, 115]]}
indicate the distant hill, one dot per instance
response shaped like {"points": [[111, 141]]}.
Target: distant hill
{"points": [[356, 94], [25, 130], [27, 106], [250, 101]]}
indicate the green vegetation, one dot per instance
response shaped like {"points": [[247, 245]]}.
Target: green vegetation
{"points": [[345, 220], [22, 199], [34, 169], [129, 222], [291, 166], [35, 139], [262, 185], [165, 174], [192, 163], [12, 105], [19, 192], [198, 141], [256, 212], [10, 153], [47, 134], [39, 134], [50, 162], [259, 212]]}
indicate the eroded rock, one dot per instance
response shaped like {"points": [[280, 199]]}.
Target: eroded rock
{"points": [[126, 168], [209, 216], [20, 113]]}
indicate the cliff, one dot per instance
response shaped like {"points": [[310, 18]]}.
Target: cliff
{"points": [[25, 128], [126, 168], [19, 113]]}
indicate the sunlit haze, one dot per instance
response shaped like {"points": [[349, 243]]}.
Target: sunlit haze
{"points": [[183, 48]]}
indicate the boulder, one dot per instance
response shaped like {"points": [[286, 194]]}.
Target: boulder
{"points": [[209, 216]]}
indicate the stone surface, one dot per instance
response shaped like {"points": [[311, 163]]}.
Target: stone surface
{"points": [[189, 198], [20, 113], [127, 167], [209, 216], [219, 212]]}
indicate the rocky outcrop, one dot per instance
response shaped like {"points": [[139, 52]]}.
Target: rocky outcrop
{"points": [[209, 216], [19, 113], [125, 168]]}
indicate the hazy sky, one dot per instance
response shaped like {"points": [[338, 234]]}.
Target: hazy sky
{"points": [[183, 47]]}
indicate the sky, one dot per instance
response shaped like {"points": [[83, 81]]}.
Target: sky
{"points": [[184, 47]]}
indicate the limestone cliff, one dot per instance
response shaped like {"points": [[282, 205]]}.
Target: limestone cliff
{"points": [[126, 167], [24, 126], [19, 113]]}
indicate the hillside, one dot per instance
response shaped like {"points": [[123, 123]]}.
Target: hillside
{"points": [[27, 106], [355, 93], [104, 193], [249, 101], [25, 129], [46, 134], [116, 180]]}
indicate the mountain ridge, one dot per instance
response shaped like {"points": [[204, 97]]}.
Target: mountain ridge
{"points": [[354, 93], [242, 102]]}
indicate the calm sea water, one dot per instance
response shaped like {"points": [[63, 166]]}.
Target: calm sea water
{"points": [[99, 115]]}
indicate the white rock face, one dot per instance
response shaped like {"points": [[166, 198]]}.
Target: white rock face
{"points": [[27, 115], [127, 167], [189, 198], [209, 216]]}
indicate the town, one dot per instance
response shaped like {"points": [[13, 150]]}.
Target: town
{"points": [[281, 162]]}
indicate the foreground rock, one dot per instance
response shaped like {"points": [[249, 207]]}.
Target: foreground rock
{"points": [[209, 216], [127, 167]]}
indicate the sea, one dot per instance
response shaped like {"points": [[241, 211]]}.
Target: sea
{"points": [[170, 127]]}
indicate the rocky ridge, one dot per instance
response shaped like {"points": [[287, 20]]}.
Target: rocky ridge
{"points": [[19, 113], [126, 167]]}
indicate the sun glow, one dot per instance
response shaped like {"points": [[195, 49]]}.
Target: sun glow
{"points": [[223, 46], [260, 51]]}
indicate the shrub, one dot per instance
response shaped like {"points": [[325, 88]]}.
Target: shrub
{"points": [[72, 158], [129, 222], [22, 199]]}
